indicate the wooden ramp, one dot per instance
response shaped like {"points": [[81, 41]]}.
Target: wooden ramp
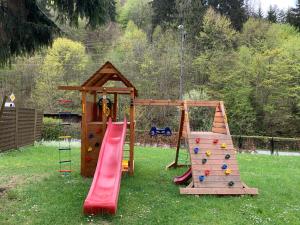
{"points": [[213, 159]]}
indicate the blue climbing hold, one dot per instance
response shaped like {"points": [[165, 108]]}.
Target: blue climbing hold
{"points": [[201, 178], [196, 150], [224, 166]]}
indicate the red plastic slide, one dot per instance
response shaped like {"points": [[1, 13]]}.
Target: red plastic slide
{"points": [[104, 191], [183, 178]]}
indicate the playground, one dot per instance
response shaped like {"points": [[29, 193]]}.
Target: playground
{"points": [[35, 194]]}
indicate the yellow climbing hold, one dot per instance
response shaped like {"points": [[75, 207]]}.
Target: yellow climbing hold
{"points": [[228, 171], [224, 145], [90, 149], [208, 153]]}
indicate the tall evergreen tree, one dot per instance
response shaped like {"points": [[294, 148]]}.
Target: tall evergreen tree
{"points": [[24, 27], [293, 16], [233, 9], [272, 14]]}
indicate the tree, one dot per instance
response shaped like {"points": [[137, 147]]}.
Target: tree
{"points": [[164, 13], [64, 64], [272, 14], [24, 27], [234, 9], [293, 16], [217, 32]]}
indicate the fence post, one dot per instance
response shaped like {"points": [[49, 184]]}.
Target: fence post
{"points": [[34, 128], [17, 128], [272, 146]]}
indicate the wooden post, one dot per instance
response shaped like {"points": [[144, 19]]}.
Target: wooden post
{"points": [[181, 125], [35, 122], [17, 128], [115, 109], [94, 106], [3, 105], [83, 134], [132, 133], [104, 117]]}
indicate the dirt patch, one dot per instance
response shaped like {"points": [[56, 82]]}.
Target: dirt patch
{"points": [[17, 181]]}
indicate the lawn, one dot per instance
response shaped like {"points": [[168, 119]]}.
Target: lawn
{"points": [[36, 194]]}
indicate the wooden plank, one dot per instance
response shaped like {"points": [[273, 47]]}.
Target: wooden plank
{"points": [[212, 167], [219, 191], [3, 105], [168, 102], [132, 133], [215, 184], [219, 179], [219, 130], [215, 172]]}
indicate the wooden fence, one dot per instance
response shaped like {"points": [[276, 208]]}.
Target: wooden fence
{"points": [[19, 127]]}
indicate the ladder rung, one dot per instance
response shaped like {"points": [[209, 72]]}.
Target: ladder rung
{"points": [[65, 171], [64, 149], [65, 161], [64, 137]]}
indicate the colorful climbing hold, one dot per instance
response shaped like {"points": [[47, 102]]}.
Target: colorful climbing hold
{"points": [[228, 171], [90, 149], [230, 183], [204, 161], [227, 156], [196, 150], [97, 145], [208, 153], [207, 172], [215, 141], [201, 178], [224, 166], [197, 140], [91, 136], [224, 145]]}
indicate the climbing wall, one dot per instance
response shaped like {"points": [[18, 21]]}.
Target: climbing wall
{"points": [[213, 161]]}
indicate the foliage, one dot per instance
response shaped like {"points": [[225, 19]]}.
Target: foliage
{"points": [[138, 11], [64, 63], [51, 129], [25, 28]]}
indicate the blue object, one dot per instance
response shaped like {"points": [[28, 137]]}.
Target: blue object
{"points": [[196, 150], [164, 131], [224, 166], [201, 178]]}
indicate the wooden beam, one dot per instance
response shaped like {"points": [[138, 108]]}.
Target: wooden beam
{"points": [[3, 105], [168, 102], [222, 107], [132, 133], [108, 90], [219, 191], [83, 135], [115, 107], [178, 140]]}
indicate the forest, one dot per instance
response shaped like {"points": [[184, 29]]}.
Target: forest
{"points": [[232, 51]]}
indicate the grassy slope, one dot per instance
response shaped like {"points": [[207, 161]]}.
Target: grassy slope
{"points": [[39, 196]]}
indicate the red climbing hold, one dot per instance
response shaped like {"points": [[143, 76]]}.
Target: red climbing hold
{"points": [[197, 140], [206, 172], [215, 141]]}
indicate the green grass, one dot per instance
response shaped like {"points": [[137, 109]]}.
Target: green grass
{"points": [[36, 194]]}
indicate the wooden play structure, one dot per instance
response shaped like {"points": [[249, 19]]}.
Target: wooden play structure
{"points": [[214, 168], [97, 108]]}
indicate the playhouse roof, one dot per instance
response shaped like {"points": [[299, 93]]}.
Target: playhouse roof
{"points": [[107, 72]]}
